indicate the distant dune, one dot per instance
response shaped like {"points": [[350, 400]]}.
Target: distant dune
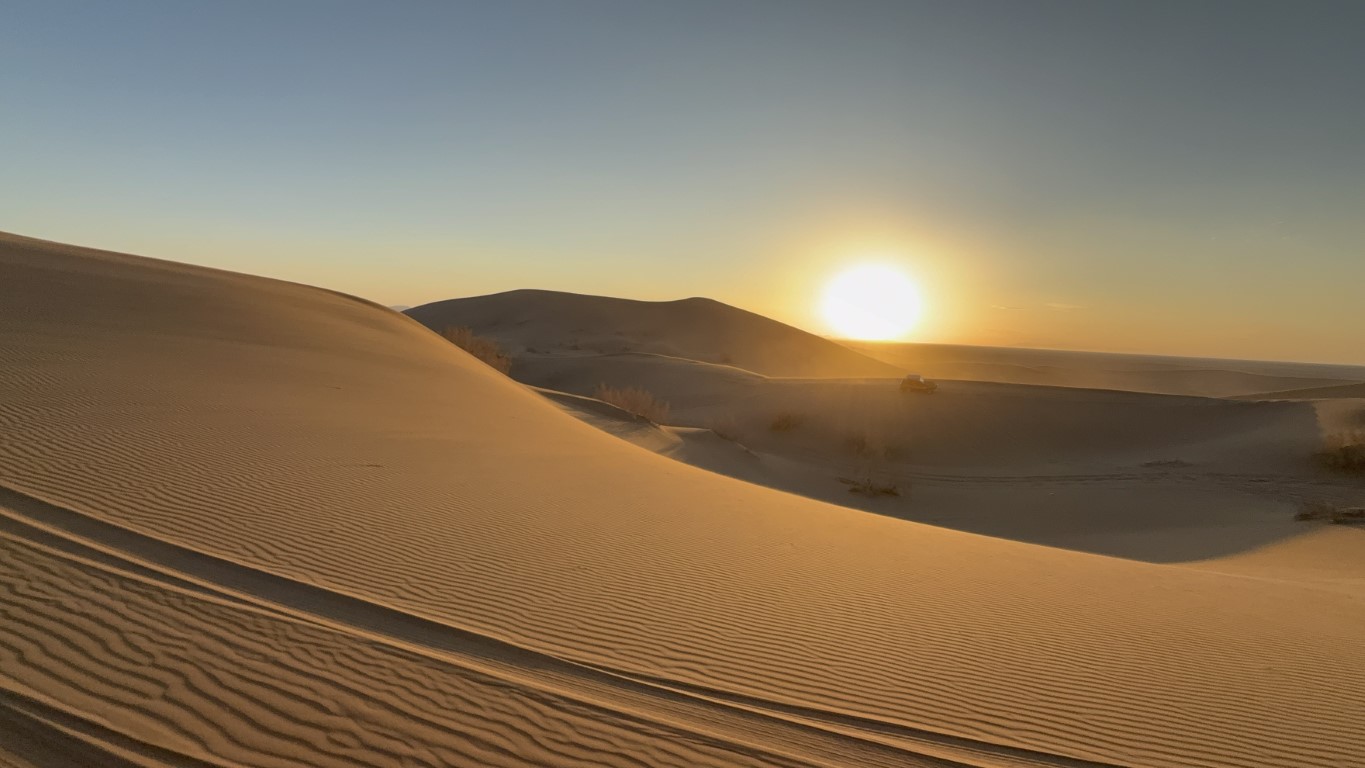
{"points": [[699, 329], [1313, 393], [1134, 373], [248, 522]]}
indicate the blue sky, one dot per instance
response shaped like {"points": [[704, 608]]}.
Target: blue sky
{"points": [[1182, 177]]}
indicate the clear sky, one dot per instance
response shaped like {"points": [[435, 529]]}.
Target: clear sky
{"points": [[1169, 177]]}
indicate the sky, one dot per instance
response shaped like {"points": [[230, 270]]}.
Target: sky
{"points": [[1159, 177]]}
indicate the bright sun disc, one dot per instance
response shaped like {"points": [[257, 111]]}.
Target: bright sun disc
{"points": [[874, 302]]}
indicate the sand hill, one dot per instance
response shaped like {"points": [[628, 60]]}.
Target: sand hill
{"points": [[1341, 391], [247, 522], [1153, 477], [698, 329], [1147, 476], [1133, 373]]}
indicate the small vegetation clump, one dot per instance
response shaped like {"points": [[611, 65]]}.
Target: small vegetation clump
{"points": [[1345, 452], [1322, 510], [872, 449], [786, 421], [1165, 464], [859, 446], [483, 348], [870, 453], [634, 400], [871, 489]]}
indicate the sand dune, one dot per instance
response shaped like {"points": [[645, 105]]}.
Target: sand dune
{"points": [[1353, 391], [699, 329], [1139, 475], [1150, 477], [1326, 556], [963, 425], [1133, 373], [254, 523]]}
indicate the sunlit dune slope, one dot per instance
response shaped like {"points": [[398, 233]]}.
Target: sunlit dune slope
{"points": [[700, 329], [251, 522]]}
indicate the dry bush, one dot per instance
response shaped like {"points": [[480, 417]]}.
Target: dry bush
{"points": [[634, 400], [1344, 451], [1333, 513], [873, 449], [1315, 510], [872, 489], [870, 454], [862, 446], [786, 421], [484, 349]]}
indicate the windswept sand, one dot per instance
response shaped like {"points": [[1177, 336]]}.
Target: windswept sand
{"points": [[250, 522]]}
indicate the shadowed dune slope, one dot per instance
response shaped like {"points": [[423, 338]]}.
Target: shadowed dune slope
{"points": [[698, 329], [964, 426], [1151, 477], [250, 522]]}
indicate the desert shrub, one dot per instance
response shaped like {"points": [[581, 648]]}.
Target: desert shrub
{"points": [[1315, 510], [1333, 513], [1165, 464], [1344, 451], [483, 348], [872, 449], [870, 454], [786, 421], [872, 489], [634, 400]]}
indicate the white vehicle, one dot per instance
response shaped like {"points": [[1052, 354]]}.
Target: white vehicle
{"points": [[917, 383]]}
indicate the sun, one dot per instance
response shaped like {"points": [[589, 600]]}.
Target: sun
{"points": [[872, 302]]}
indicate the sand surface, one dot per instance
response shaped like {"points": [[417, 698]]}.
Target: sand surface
{"points": [[246, 522], [1159, 478], [1134, 373], [1338, 392]]}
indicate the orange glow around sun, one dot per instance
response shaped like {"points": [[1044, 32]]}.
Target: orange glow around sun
{"points": [[872, 302]]}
